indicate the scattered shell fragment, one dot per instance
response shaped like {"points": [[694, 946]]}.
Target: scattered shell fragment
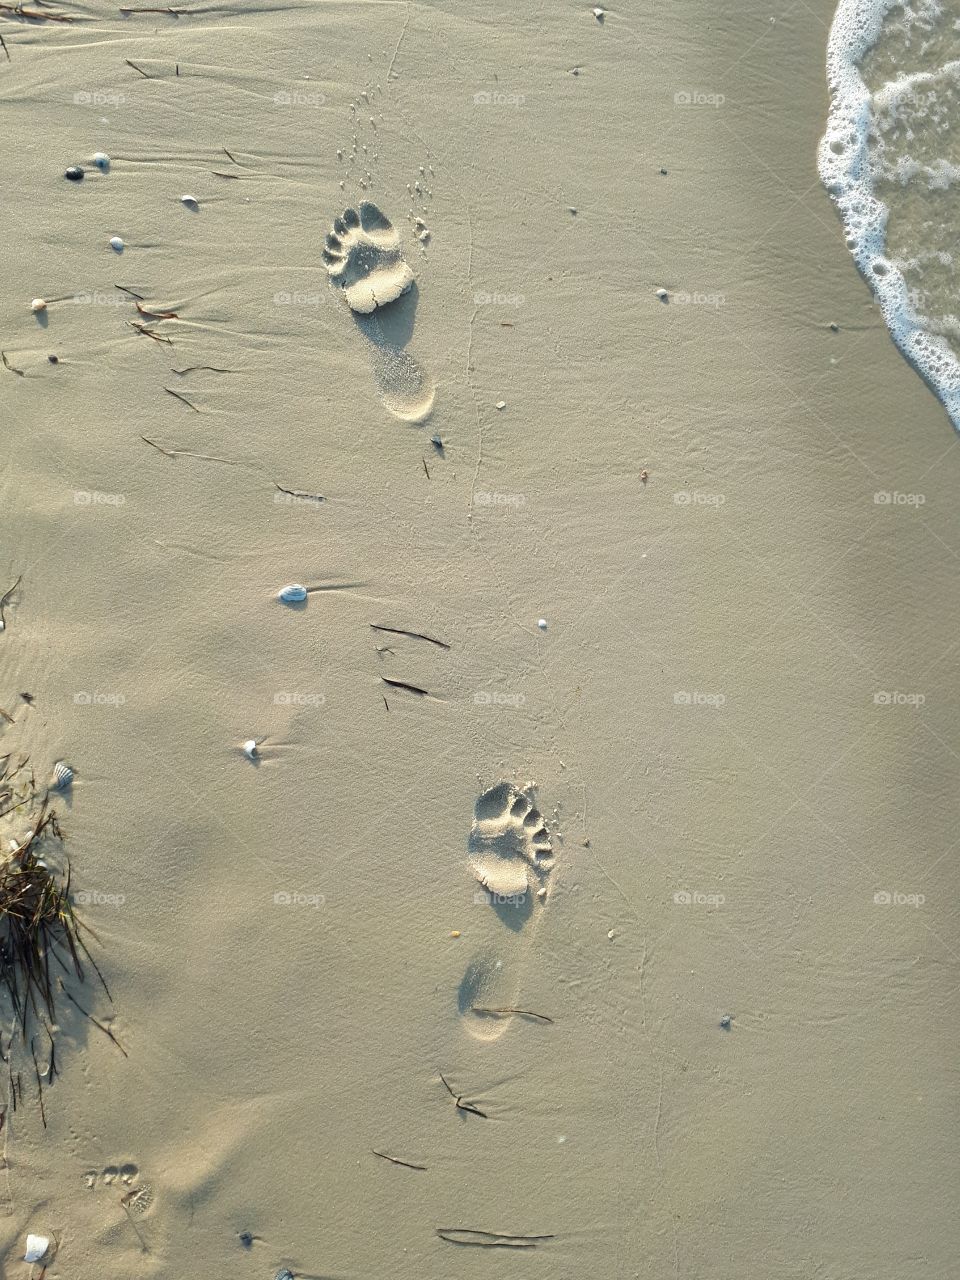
{"points": [[102, 161], [725, 1021], [454, 933], [284, 1274], [501, 404], [662, 295], [62, 775], [74, 173], [37, 1246], [542, 624], [292, 593], [599, 14], [190, 202], [250, 748], [116, 243], [38, 304]]}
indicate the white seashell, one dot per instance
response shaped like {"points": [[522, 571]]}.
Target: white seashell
{"points": [[37, 1246], [662, 295], [191, 202], [116, 243], [62, 775], [13, 845], [38, 304], [102, 161], [250, 748], [292, 593], [542, 624], [501, 404]]}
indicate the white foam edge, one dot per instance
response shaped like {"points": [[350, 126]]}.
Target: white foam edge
{"points": [[844, 170]]}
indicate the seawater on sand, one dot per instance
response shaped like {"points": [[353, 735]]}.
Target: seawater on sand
{"points": [[890, 160]]}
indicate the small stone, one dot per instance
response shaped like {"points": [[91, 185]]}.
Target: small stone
{"points": [[116, 244], [54, 359], [102, 161], [190, 202], [725, 1021], [542, 892], [437, 443], [599, 14], [74, 173], [834, 327], [611, 934], [38, 305], [663, 172], [542, 624], [454, 933], [246, 1239], [501, 404], [663, 295]]}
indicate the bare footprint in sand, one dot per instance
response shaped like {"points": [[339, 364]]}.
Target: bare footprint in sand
{"points": [[364, 258], [511, 855]]}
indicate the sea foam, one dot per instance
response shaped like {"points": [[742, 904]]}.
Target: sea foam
{"points": [[851, 159]]}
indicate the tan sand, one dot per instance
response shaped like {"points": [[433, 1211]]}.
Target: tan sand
{"points": [[724, 794]]}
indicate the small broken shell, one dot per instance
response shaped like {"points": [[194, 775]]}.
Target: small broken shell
{"points": [[62, 775], [292, 593], [250, 748], [116, 244], [102, 161], [190, 202], [38, 304], [37, 1247]]}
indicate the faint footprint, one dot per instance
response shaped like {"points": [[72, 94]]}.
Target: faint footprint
{"points": [[511, 854], [364, 257], [124, 1174]]}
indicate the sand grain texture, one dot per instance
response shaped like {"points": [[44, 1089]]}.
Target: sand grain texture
{"points": [[282, 967]]}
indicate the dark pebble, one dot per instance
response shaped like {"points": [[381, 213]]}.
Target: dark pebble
{"points": [[74, 173], [54, 359], [246, 1239], [664, 172]]}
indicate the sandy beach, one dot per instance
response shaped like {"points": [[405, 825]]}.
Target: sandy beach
{"points": [[690, 560]]}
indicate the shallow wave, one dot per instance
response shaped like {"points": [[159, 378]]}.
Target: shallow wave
{"points": [[886, 160]]}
